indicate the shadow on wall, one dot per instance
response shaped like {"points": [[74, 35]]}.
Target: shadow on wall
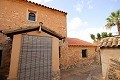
{"points": [[3, 77], [5, 50]]}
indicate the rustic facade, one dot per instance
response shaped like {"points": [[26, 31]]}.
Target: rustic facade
{"points": [[79, 53], [25, 18], [110, 49], [17, 15], [32, 29], [35, 49]]}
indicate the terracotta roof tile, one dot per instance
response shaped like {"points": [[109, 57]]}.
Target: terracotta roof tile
{"points": [[110, 42], [78, 42], [118, 41]]}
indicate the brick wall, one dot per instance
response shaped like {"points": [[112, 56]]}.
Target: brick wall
{"points": [[14, 13]]}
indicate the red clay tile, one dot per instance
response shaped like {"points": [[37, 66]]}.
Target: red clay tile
{"points": [[78, 42]]}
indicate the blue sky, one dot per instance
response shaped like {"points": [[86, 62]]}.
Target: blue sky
{"points": [[84, 17]]}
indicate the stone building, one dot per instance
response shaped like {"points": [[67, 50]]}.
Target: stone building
{"points": [[34, 43], [33, 36], [80, 52], [110, 49]]}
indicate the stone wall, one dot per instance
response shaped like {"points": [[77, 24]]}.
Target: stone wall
{"points": [[56, 75], [63, 57], [17, 16], [73, 57], [6, 50], [113, 72]]}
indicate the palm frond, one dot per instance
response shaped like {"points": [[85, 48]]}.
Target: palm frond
{"points": [[92, 36], [108, 25], [113, 14], [104, 35], [118, 13], [110, 35], [109, 19], [113, 20], [98, 36], [119, 18]]}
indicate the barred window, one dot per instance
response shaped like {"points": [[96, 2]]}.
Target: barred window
{"points": [[32, 16]]}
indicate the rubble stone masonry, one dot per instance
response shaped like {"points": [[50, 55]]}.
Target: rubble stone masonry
{"points": [[6, 50], [14, 13], [73, 58]]}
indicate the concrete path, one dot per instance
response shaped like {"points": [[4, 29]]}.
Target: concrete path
{"points": [[91, 72]]}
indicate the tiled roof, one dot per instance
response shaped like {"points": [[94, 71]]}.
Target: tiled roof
{"points": [[110, 42], [78, 42], [44, 6]]}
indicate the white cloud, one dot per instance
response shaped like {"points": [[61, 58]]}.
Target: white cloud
{"points": [[81, 29], [79, 7], [76, 23], [89, 4], [40, 1], [84, 4]]}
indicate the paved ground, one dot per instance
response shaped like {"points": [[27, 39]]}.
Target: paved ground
{"points": [[92, 72]]}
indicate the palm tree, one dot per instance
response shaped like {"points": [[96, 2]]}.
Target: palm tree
{"points": [[104, 34], [92, 36], [110, 35], [98, 36], [114, 19]]}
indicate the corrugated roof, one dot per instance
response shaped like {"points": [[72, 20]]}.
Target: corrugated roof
{"points": [[110, 42], [44, 6], [78, 42]]}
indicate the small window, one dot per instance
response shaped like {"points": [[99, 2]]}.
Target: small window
{"points": [[0, 57], [84, 53], [32, 16]]}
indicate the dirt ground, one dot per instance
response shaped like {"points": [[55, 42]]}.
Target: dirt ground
{"points": [[90, 72]]}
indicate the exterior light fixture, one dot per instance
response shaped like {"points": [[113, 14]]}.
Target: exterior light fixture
{"points": [[40, 25]]}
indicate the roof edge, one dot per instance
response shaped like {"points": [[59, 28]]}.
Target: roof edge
{"points": [[85, 45], [80, 41], [45, 6], [20, 30]]}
